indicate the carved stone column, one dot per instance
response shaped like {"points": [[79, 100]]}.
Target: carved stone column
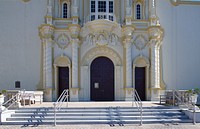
{"points": [[46, 34], [156, 34], [129, 85], [75, 86], [127, 33], [128, 46], [74, 90]]}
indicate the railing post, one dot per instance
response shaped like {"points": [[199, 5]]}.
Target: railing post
{"points": [[173, 98], [141, 115], [194, 115], [54, 104]]}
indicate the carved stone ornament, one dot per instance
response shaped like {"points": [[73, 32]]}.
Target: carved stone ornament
{"points": [[63, 41], [46, 31], [102, 38], [155, 33], [140, 42]]}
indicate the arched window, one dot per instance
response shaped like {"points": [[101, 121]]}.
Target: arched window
{"points": [[64, 10], [138, 11]]}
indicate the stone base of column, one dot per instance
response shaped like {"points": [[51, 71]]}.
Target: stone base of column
{"points": [[74, 94], [128, 94], [155, 94], [48, 95]]}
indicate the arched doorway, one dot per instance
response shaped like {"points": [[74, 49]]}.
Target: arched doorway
{"points": [[102, 79]]}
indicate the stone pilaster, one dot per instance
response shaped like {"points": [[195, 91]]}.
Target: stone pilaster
{"points": [[127, 33], [156, 34], [128, 46], [75, 11], [75, 45], [128, 8], [74, 90], [46, 35], [129, 70], [155, 39], [154, 20], [49, 15]]}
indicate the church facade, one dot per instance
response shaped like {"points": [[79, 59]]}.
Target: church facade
{"points": [[103, 49]]}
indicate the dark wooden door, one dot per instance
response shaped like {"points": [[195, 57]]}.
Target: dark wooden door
{"points": [[140, 82], [63, 79], [102, 79]]}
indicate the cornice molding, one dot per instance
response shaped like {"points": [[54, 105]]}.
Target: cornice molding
{"points": [[188, 2]]}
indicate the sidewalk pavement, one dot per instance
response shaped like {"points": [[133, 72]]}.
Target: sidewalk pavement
{"points": [[104, 126]]}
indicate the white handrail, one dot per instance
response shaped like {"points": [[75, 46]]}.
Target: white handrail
{"points": [[186, 104], [58, 104], [136, 99], [11, 101]]}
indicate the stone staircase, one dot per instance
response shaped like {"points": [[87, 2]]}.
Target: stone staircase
{"points": [[97, 115]]}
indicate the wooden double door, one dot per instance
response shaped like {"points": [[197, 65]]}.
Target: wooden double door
{"points": [[102, 79]]}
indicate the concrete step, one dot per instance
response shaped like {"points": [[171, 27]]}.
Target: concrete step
{"points": [[94, 117], [146, 121], [99, 115]]}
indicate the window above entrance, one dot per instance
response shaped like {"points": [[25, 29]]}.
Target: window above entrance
{"points": [[64, 9], [102, 9]]}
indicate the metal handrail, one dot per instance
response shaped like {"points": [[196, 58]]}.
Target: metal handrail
{"points": [[58, 104], [13, 100], [136, 99], [186, 104]]}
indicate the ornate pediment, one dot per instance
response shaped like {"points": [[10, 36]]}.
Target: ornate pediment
{"points": [[101, 25]]}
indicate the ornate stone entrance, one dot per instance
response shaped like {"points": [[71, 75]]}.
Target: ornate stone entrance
{"points": [[86, 65], [102, 79]]}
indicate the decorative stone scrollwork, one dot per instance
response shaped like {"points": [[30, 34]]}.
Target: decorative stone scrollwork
{"points": [[102, 38], [156, 33], [46, 31]]}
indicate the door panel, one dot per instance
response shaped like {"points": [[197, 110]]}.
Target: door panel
{"points": [[102, 79], [63, 79], [140, 82]]}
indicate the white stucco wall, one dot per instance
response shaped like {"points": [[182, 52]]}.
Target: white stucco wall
{"points": [[181, 44], [20, 46]]}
